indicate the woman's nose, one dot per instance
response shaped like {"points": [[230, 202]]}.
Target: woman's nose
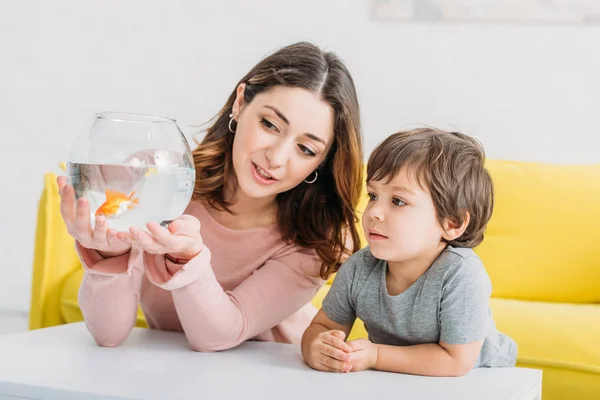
{"points": [[278, 153]]}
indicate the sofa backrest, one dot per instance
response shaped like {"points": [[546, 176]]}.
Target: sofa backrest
{"points": [[543, 241]]}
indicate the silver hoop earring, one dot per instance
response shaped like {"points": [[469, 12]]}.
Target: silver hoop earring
{"points": [[314, 179], [230, 121]]}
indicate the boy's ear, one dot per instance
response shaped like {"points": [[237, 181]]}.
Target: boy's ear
{"points": [[453, 230]]}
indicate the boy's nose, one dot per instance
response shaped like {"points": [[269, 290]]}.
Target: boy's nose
{"points": [[375, 212]]}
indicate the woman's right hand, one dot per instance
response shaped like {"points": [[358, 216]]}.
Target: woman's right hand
{"points": [[76, 215]]}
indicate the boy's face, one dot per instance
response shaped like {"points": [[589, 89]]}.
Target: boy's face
{"points": [[400, 221]]}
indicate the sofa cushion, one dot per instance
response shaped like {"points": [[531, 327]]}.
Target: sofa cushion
{"points": [[542, 241], [561, 339]]}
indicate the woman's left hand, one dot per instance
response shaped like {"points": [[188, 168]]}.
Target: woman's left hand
{"points": [[181, 239]]}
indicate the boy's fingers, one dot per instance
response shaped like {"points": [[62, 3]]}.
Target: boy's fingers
{"points": [[333, 352], [333, 364], [324, 367], [337, 343], [338, 334]]}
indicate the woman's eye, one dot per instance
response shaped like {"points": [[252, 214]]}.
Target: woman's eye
{"points": [[268, 125], [372, 197], [398, 202], [305, 150]]}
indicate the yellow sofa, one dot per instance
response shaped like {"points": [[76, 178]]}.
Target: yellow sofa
{"points": [[541, 250]]}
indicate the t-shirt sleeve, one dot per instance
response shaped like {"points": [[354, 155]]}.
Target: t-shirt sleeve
{"points": [[465, 311], [339, 304]]}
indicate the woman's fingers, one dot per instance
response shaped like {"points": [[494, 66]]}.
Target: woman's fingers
{"points": [[114, 242], [145, 241], [83, 228], [113, 239], [76, 214], [186, 225], [164, 237], [67, 206], [100, 230], [61, 181]]}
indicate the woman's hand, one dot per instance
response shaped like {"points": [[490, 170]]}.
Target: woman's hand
{"points": [[181, 239], [76, 215]]}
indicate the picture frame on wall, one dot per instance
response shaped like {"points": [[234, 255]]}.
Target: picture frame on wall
{"points": [[522, 11]]}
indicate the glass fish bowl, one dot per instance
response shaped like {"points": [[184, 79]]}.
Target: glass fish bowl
{"points": [[133, 169]]}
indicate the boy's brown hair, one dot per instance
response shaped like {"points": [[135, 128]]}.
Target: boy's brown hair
{"points": [[450, 165]]}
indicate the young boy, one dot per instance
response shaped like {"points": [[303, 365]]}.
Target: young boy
{"points": [[419, 287]]}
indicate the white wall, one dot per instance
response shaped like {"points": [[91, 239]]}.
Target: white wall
{"points": [[527, 92]]}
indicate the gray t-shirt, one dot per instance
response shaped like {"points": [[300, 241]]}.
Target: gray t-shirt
{"points": [[448, 303]]}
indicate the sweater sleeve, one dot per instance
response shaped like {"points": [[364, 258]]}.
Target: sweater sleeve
{"points": [[109, 294], [214, 319]]}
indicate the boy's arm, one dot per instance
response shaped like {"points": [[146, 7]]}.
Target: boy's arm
{"points": [[322, 323], [323, 346], [428, 359], [323, 343]]}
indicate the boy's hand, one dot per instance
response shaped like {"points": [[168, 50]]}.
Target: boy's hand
{"points": [[364, 355], [329, 352]]}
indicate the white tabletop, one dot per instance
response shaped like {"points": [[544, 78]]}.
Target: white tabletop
{"points": [[64, 363]]}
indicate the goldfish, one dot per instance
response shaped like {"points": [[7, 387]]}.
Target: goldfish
{"points": [[116, 204]]}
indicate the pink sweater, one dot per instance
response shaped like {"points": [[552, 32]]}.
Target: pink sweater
{"points": [[245, 284]]}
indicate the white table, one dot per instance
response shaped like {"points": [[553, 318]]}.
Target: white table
{"points": [[64, 363]]}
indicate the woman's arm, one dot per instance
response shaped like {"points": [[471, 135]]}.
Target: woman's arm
{"points": [[109, 294], [214, 319]]}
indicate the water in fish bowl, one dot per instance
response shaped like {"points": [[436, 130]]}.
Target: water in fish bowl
{"points": [[132, 195]]}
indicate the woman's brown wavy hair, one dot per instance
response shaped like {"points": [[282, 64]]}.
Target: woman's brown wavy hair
{"points": [[318, 216]]}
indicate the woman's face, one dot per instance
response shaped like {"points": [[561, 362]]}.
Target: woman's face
{"points": [[281, 137]]}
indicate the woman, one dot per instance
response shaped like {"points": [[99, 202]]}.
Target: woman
{"points": [[278, 178]]}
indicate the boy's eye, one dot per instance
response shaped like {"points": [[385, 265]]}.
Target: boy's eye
{"points": [[306, 150], [268, 125], [398, 202], [372, 197]]}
